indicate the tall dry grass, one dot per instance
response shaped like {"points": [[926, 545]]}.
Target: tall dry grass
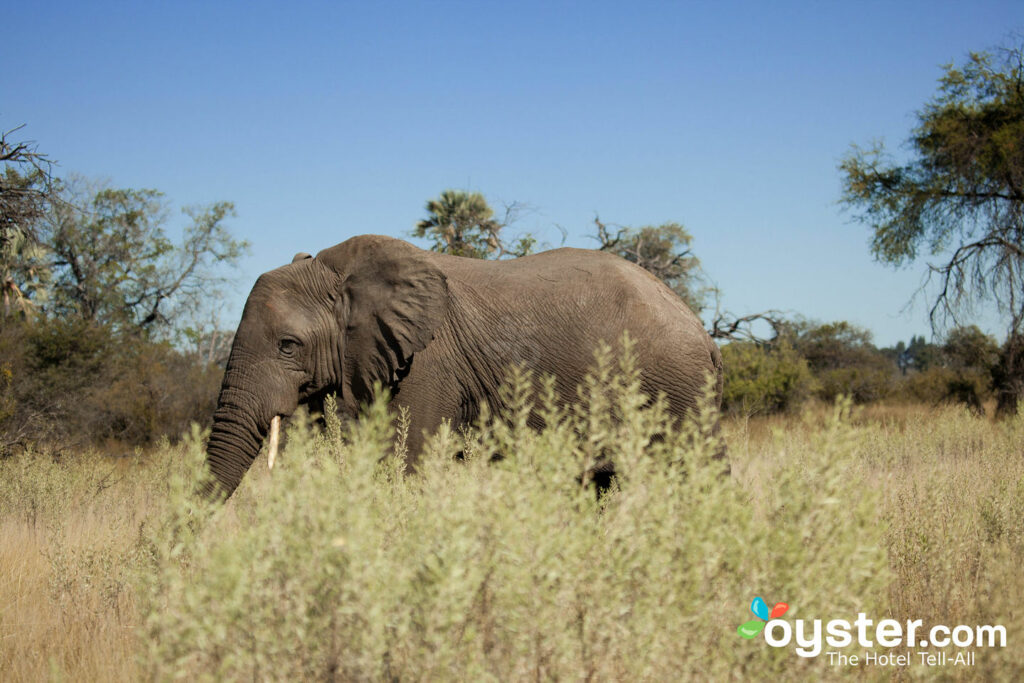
{"points": [[337, 567], [70, 544]]}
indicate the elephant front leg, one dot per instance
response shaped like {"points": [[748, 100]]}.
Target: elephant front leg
{"points": [[419, 409]]}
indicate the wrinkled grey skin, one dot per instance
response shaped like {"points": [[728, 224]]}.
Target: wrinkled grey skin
{"points": [[441, 332]]}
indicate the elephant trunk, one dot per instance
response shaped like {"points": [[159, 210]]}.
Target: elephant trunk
{"points": [[235, 440]]}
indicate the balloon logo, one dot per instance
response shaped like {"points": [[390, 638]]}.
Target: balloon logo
{"points": [[760, 609]]}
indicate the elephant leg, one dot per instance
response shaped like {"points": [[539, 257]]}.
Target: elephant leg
{"points": [[428, 403]]}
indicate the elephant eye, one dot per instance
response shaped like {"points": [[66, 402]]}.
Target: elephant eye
{"points": [[288, 346]]}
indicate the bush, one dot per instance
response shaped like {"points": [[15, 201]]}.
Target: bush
{"points": [[336, 566], [108, 570], [762, 379], [938, 384], [75, 383], [155, 391], [929, 386], [844, 362], [872, 380]]}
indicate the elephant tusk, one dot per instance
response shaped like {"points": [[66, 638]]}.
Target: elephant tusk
{"points": [[275, 436]]}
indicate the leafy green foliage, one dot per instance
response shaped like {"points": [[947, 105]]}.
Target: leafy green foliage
{"points": [[114, 264], [970, 348], [968, 169], [829, 360], [463, 224], [764, 379], [337, 566], [959, 370], [94, 293], [960, 197], [844, 362]]}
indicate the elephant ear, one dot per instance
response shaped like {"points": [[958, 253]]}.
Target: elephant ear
{"points": [[391, 300]]}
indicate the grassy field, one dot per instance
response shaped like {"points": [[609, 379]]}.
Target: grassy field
{"points": [[335, 567]]}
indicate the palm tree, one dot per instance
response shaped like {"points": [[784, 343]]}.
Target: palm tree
{"points": [[22, 259], [463, 224]]}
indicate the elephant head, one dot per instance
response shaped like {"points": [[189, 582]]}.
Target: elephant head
{"points": [[339, 322]]}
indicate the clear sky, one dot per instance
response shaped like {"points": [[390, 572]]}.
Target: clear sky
{"points": [[327, 120]]}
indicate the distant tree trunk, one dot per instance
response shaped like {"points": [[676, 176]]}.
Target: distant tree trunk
{"points": [[1008, 376]]}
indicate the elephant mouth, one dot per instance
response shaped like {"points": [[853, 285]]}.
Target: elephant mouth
{"points": [[275, 439]]}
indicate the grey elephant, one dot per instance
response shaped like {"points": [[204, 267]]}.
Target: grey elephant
{"points": [[440, 332]]}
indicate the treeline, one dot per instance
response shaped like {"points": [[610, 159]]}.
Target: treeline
{"points": [[807, 361], [72, 383], [108, 327]]}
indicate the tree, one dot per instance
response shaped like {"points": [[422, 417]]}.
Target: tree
{"points": [[25, 275], [764, 378], [664, 251], [103, 356], [921, 355], [970, 355], [843, 360], [25, 185], [970, 348], [113, 263], [831, 345], [960, 197], [110, 298], [463, 224]]}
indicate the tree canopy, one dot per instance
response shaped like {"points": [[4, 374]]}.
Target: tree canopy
{"points": [[113, 262], [959, 198], [463, 224], [24, 183], [98, 302], [25, 186]]}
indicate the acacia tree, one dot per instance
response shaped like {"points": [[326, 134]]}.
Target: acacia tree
{"points": [[113, 263], [960, 199], [463, 224]]}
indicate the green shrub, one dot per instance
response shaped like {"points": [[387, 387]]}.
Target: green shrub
{"points": [[871, 381], [929, 386], [843, 361], [336, 566], [938, 384], [763, 379]]}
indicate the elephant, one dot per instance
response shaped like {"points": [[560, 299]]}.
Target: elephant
{"points": [[440, 332]]}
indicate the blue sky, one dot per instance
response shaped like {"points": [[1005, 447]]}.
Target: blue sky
{"points": [[326, 120]]}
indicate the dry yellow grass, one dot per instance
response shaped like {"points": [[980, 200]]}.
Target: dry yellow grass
{"points": [[67, 611], [948, 492]]}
